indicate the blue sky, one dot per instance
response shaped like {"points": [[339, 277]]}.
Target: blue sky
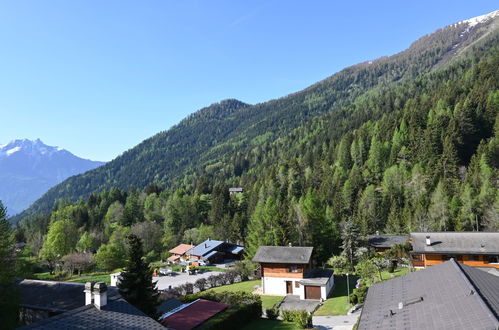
{"points": [[98, 77]]}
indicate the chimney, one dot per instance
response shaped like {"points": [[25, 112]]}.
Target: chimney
{"points": [[428, 241], [89, 298], [100, 294], [401, 305], [289, 244], [377, 232]]}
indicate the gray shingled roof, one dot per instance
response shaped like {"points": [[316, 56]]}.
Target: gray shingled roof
{"points": [[386, 241], [54, 296], [117, 314], [283, 254], [450, 301], [456, 242], [487, 285], [317, 277]]}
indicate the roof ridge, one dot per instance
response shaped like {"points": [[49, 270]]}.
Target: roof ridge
{"points": [[476, 292]]}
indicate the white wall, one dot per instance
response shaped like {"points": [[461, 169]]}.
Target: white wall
{"points": [[277, 286]]}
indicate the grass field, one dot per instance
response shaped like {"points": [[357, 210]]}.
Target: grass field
{"points": [[338, 304], [265, 324], [97, 278], [249, 286]]}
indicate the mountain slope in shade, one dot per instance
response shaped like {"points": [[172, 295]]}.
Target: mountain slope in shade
{"points": [[29, 168], [225, 133]]}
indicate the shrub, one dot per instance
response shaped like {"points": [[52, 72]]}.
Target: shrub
{"points": [[212, 280], [287, 315], [200, 284], [358, 295], [231, 276], [302, 318], [272, 313]]}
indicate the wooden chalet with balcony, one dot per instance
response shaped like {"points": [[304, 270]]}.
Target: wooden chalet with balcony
{"points": [[476, 249]]}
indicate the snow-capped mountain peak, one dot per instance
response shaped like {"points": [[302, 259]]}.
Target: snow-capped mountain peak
{"points": [[28, 168], [36, 147], [480, 19]]}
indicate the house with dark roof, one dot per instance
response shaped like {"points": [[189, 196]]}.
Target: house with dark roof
{"points": [[43, 299], [476, 249], [99, 311], [178, 252], [190, 315], [449, 295], [288, 270], [382, 242], [213, 251]]}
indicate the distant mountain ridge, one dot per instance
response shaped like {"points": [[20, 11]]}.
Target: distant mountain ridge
{"points": [[220, 138], [29, 168]]}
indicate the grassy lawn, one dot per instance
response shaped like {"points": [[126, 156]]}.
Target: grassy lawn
{"points": [[338, 304], [211, 268], [270, 301], [246, 286], [265, 324], [249, 286], [97, 278]]}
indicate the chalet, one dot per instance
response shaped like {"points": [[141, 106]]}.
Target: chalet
{"points": [[381, 243], [213, 251], [288, 270], [178, 252], [449, 295], [48, 305], [477, 249]]}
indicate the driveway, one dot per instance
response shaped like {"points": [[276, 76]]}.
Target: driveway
{"points": [[340, 322], [164, 282], [292, 302]]}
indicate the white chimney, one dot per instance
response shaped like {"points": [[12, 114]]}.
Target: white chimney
{"points": [[401, 305], [289, 244], [89, 286], [100, 294], [428, 242]]}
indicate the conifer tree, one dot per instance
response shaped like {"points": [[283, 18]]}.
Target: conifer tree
{"points": [[136, 284], [9, 298]]}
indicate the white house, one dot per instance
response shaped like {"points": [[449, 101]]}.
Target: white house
{"points": [[287, 270]]}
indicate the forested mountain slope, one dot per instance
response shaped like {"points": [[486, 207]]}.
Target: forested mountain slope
{"points": [[389, 143]]}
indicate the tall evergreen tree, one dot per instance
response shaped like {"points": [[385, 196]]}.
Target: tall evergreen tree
{"points": [[9, 296], [136, 284]]}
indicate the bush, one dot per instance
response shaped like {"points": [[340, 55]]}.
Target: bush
{"points": [[358, 295], [200, 284], [212, 280], [287, 315], [272, 313], [302, 318]]}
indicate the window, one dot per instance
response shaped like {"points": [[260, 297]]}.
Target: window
{"points": [[493, 259], [297, 284], [473, 257], [293, 269]]}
